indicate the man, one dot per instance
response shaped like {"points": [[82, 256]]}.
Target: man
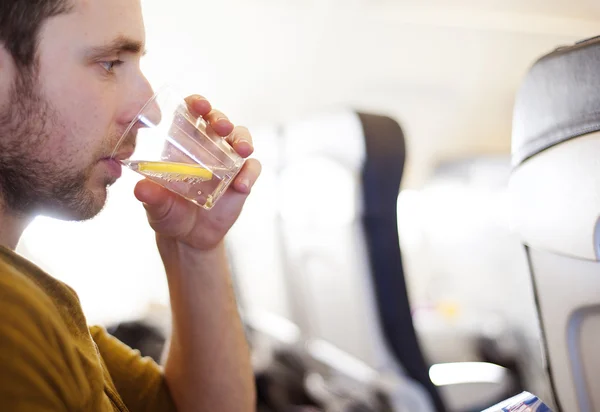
{"points": [[69, 84]]}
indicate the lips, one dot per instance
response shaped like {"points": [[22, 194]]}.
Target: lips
{"points": [[122, 155], [114, 167], [113, 163]]}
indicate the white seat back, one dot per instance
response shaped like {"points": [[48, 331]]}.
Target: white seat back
{"points": [[339, 185], [555, 191]]}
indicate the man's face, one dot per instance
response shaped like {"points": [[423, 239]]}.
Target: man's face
{"points": [[59, 127]]}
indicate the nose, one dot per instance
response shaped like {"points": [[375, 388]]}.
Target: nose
{"points": [[135, 98]]}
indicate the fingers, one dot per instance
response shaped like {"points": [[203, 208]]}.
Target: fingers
{"points": [[199, 106], [239, 137], [247, 177], [241, 140], [219, 123]]}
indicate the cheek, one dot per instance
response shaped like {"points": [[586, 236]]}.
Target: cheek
{"points": [[82, 103], [85, 111]]}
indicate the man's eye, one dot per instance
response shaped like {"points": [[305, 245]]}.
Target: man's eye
{"points": [[109, 66]]}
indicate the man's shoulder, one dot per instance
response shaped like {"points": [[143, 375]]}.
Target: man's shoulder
{"points": [[17, 286], [31, 327], [40, 362], [27, 310]]}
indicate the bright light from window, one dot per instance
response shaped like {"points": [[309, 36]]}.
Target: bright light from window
{"points": [[111, 261], [466, 372], [320, 191]]}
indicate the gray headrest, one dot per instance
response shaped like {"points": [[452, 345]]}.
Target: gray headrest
{"points": [[558, 100]]}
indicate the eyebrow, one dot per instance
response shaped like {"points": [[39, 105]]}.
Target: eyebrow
{"points": [[121, 44]]}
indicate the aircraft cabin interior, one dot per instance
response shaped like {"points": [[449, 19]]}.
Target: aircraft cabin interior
{"points": [[425, 232]]}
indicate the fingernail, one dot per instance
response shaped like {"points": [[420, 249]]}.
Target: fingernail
{"points": [[245, 184]]}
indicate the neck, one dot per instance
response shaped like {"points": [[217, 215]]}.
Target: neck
{"points": [[11, 228]]}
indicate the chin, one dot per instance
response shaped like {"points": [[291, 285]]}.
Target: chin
{"points": [[72, 215], [87, 205], [96, 204]]}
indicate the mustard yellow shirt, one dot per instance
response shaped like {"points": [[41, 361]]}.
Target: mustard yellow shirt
{"points": [[51, 361]]}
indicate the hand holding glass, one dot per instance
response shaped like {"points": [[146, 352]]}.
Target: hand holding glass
{"points": [[178, 150]]}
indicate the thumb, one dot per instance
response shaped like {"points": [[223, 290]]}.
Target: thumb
{"points": [[168, 213], [157, 200]]}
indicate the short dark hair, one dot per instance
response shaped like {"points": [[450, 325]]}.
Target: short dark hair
{"points": [[20, 24]]}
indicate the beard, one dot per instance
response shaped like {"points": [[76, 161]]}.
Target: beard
{"points": [[31, 182]]}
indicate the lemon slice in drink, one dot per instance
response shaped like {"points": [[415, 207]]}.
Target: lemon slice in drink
{"points": [[178, 169]]}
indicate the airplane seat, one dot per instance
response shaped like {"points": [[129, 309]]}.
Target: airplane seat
{"points": [[555, 209], [381, 177], [474, 308], [339, 188]]}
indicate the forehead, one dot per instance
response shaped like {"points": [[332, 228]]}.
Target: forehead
{"points": [[91, 23]]}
